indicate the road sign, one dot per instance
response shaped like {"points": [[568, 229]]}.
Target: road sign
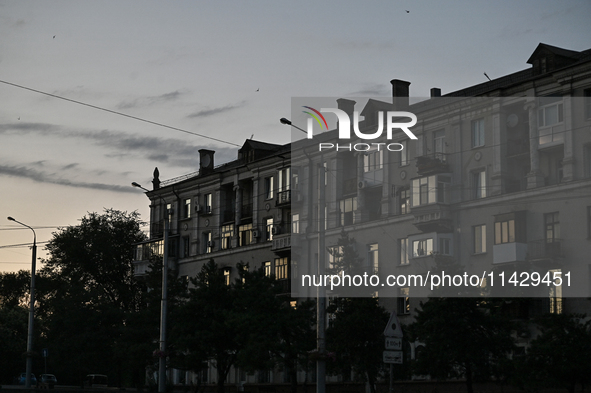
{"points": [[393, 327], [394, 343], [45, 352], [393, 357]]}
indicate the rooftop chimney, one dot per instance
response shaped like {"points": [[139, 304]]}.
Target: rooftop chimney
{"points": [[400, 92], [348, 106], [435, 92], [205, 161]]}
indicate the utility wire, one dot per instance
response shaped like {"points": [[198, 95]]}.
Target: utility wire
{"points": [[118, 113]]}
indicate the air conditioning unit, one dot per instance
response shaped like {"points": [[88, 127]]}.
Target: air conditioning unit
{"points": [[276, 230], [362, 184], [256, 233], [210, 244]]}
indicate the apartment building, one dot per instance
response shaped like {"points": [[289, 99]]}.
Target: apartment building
{"points": [[498, 179]]}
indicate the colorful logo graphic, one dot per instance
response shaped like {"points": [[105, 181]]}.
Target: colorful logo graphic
{"points": [[316, 117]]}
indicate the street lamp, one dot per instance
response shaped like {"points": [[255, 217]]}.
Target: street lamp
{"points": [[29, 364], [163, 301], [320, 290]]}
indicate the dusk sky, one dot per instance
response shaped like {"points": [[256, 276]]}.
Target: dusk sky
{"points": [[223, 69]]}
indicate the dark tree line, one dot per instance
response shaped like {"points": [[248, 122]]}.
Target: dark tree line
{"points": [[94, 317]]}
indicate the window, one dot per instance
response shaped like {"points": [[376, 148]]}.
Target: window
{"points": [[281, 268], [510, 228], [552, 227], [404, 301], [187, 208], [373, 257], [268, 224], [295, 223], [404, 156], [186, 247], [169, 214], [347, 208], [284, 179], [403, 248], [479, 184], [227, 276], [555, 293], [551, 113], [207, 243], [245, 234], [439, 144], [227, 233], [269, 187], [431, 189], [373, 160], [404, 201], [421, 248], [479, 234], [208, 203], [267, 268], [335, 256], [444, 246], [478, 133]]}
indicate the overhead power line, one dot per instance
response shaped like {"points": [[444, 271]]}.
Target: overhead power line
{"points": [[117, 113]]}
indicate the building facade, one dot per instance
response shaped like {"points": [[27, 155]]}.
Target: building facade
{"points": [[499, 177]]}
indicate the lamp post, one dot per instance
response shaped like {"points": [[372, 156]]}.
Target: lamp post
{"points": [[163, 301], [320, 290], [29, 364]]}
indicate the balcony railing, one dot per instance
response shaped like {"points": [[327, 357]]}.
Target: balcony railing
{"points": [[283, 197], [432, 164], [545, 249]]}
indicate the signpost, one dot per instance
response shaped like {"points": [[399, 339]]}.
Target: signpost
{"points": [[393, 345]]}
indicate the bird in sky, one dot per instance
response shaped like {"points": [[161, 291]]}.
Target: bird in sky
{"points": [[407, 11], [54, 37], [258, 89]]}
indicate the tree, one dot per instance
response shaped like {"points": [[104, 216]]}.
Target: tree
{"points": [[87, 291], [560, 355], [462, 337], [356, 331], [356, 337]]}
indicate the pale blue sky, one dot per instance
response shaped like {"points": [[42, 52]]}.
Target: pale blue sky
{"points": [[197, 65]]}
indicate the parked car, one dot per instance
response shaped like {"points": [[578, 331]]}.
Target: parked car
{"points": [[22, 379], [95, 381], [47, 381]]}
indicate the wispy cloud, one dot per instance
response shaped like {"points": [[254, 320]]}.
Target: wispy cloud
{"points": [[44, 177], [147, 101], [216, 111], [377, 90]]}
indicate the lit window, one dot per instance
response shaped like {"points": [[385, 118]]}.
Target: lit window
{"points": [[404, 301], [208, 203], [550, 115], [505, 232], [479, 232], [245, 234], [187, 208], [207, 243], [268, 229], [478, 133], [227, 276], [555, 292], [227, 233], [421, 248], [404, 201], [284, 179], [267, 268], [510, 228], [373, 257], [335, 257], [281, 268]]}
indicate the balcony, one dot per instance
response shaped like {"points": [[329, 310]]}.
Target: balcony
{"points": [[509, 252], [545, 250], [433, 218], [281, 242], [283, 197], [146, 253], [432, 164]]}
